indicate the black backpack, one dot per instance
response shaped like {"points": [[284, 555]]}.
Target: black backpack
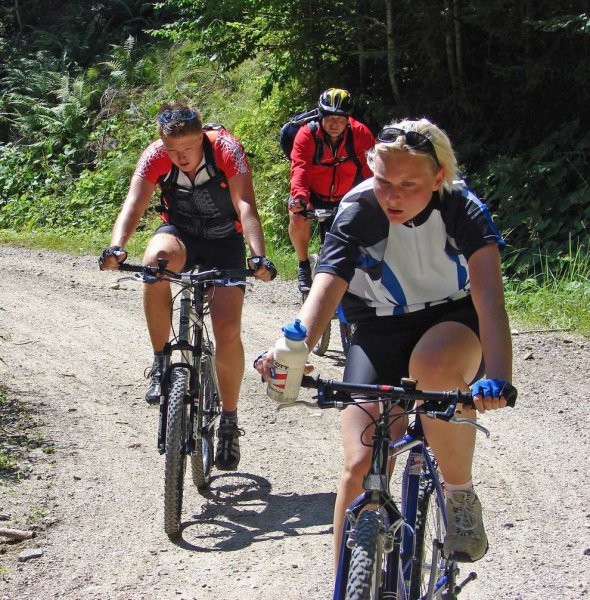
{"points": [[291, 127], [311, 118]]}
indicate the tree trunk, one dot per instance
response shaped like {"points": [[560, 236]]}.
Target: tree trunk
{"points": [[450, 46], [361, 7], [19, 19], [458, 44], [391, 58]]}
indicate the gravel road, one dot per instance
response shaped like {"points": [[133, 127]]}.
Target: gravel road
{"points": [[75, 351]]}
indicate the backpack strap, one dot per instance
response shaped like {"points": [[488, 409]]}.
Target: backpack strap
{"points": [[319, 144], [350, 150], [212, 169]]}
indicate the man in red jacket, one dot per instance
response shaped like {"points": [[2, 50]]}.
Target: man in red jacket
{"points": [[328, 160]]}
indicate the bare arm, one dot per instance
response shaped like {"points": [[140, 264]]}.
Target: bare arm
{"points": [[315, 314], [135, 205], [317, 311], [242, 194], [487, 291]]}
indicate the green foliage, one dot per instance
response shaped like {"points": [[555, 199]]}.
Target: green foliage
{"points": [[304, 42], [542, 197], [80, 85], [557, 295]]}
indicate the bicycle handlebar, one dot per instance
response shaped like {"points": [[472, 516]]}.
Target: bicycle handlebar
{"points": [[319, 214], [332, 393], [150, 274]]}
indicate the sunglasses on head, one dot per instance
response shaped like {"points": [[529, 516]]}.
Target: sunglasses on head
{"points": [[179, 114], [414, 140]]}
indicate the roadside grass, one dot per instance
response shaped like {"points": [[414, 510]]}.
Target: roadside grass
{"points": [[18, 436], [77, 243], [554, 298]]}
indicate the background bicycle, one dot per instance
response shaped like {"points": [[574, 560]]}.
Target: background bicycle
{"points": [[190, 403], [324, 218], [390, 551]]}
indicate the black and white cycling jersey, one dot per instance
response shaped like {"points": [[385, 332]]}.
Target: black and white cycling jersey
{"points": [[395, 268]]}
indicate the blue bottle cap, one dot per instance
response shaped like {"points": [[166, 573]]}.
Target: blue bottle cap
{"points": [[295, 331]]}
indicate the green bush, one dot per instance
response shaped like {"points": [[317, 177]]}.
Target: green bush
{"points": [[542, 198]]}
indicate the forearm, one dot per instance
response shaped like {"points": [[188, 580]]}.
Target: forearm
{"points": [[252, 229], [496, 342], [124, 227], [317, 311]]}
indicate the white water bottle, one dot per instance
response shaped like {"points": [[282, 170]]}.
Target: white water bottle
{"points": [[290, 356]]}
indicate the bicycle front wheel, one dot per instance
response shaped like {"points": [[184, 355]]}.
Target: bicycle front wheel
{"points": [[208, 409], [322, 346], [429, 563], [366, 562], [346, 331], [176, 447]]}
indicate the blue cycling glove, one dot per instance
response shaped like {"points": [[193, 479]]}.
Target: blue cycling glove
{"points": [[488, 387]]}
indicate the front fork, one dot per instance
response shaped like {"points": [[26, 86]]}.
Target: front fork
{"points": [[392, 521]]}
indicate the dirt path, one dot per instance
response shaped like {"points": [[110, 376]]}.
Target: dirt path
{"points": [[77, 349]]}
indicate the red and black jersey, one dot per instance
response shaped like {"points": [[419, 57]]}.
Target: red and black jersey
{"points": [[331, 175], [203, 208]]}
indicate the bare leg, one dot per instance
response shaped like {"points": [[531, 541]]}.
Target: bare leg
{"points": [[226, 314], [157, 296], [447, 357], [300, 234]]}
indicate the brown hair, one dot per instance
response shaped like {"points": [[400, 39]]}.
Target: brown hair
{"points": [[175, 125]]}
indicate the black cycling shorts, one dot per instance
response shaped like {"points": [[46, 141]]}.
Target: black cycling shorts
{"points": [[381, 348], [221, 253]]}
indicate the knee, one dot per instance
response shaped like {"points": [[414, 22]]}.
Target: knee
{"points": [[431, 364], [297, 223], [227, 333], [355, 468]]}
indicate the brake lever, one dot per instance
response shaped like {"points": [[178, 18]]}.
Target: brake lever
{"points": [[477, 426]]}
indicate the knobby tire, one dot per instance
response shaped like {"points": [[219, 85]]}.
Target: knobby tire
{"points": [[322, 346], [346, 331], [364, 575], [176, 445], [203, 456], [429, 564]]}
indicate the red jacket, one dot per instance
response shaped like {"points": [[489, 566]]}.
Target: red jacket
{"points": [[328, 182]]}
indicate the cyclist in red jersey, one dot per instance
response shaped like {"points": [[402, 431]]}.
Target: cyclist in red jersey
{"points": [[208, 207], [328, 159]]}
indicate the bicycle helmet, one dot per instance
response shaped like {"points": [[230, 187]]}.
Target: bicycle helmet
{"points": [[335, 101]]}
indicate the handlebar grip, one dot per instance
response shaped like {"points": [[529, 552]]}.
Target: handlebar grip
{"points": [[510, 393], [309, 382], [131, 268]]}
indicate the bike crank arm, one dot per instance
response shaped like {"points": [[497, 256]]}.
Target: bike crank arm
{"points": [[471, 577]]}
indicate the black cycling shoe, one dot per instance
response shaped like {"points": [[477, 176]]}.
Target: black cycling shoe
{"points": [[154, 392], [227, 456], [304, 276]]}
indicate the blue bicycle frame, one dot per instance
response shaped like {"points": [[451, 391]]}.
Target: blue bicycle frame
{"points": [[400, 559]]}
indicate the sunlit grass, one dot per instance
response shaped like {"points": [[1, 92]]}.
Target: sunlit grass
{"points": [[70, 242], [554, 298]]}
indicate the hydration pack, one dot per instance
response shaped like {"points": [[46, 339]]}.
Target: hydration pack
{"points": [[291, 127]]}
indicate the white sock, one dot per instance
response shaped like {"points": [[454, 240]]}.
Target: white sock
{"points": [[458, 487]]}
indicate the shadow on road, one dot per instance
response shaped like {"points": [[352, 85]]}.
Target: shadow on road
{"points": [[240, 509]]}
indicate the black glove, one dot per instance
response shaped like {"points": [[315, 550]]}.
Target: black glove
{"points": [[262, 261], [110, 251]]}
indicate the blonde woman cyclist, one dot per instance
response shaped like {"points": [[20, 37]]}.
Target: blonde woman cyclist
{"points": [[414, 257]]}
